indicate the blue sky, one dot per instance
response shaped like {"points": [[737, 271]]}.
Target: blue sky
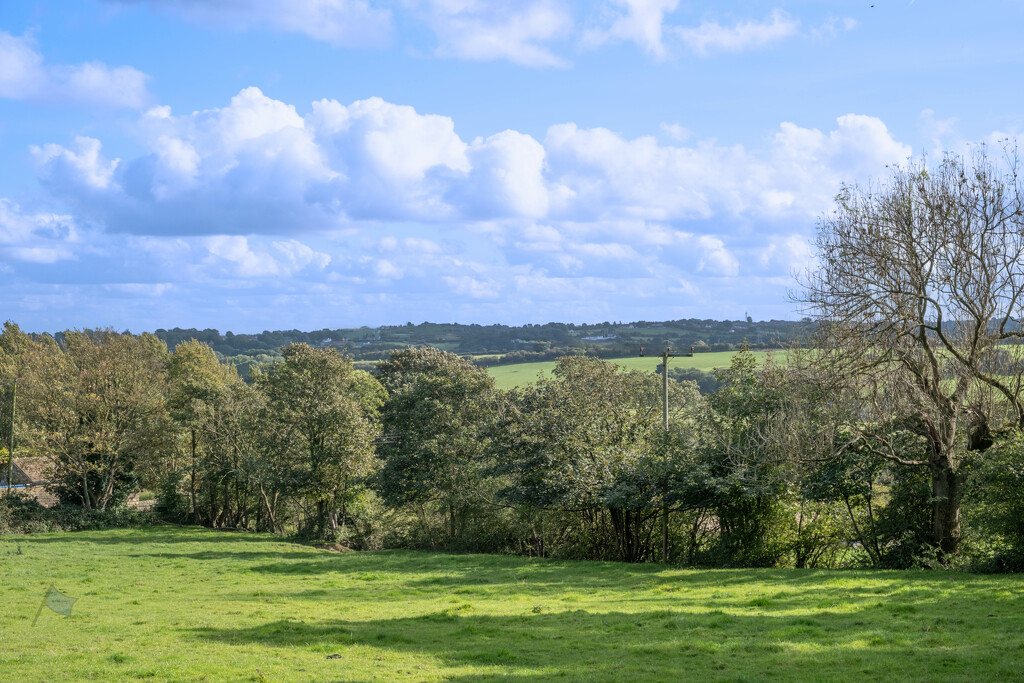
{"points": [[273, 164]]}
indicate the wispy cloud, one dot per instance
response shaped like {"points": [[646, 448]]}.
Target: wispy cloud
{"points": [[711, 36], [340, 22]]}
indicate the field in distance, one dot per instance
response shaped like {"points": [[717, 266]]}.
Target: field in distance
{"points": [[522, 374], [169, 603]]}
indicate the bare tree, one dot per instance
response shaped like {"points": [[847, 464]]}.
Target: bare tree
{"points": [[918, 299]]}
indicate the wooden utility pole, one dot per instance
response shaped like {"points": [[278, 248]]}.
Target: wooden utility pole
{"points": [[664, 387], [664, 420]]}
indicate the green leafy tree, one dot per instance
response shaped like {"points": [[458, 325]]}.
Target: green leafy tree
{"points": [[438, 411], [13, 344], [995, 506], [198, 386], [97, 407], [590, 439], [742, 468], [251, 443], [328, 414]]}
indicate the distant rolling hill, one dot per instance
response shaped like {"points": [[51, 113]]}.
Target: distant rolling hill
{"points": [[521, 374]]}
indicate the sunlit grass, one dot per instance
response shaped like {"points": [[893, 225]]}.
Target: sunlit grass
{"points": [[522, 374], [187, 604]]}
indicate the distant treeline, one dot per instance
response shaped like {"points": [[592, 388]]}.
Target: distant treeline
{"points": [[524, 342], [605, 351], [489, 345]]}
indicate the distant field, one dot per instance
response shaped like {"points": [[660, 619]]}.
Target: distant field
{"points": [[521, 374], [171, 604]]}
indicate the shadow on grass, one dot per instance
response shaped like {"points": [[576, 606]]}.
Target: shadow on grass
{"points": [[152, 534], [657, 645], [433, 571], [206, 555]]}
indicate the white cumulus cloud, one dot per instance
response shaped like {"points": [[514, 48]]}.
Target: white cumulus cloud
{"points": [[786, 253], [507, 176], [472, 287], [260, 166], [38, 237], [82, 165], [297, 255], [607, 175], [243, 261], [715, 258], [24, 75], [638, 21], [519, 32]]}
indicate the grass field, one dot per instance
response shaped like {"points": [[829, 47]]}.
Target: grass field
{"points": [[186, 604], [521, 374]]}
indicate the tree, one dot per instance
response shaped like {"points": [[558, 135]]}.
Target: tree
{"points": [[742, 468], [13, 344], [590, 439], [248, 441], [920, 280], [434, 421], [97, 407], [328, 412], [198, 385]]}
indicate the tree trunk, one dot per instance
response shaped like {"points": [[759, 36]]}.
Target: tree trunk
{"points": [[85, 492], [269, 508], [108, 488], [213, 504], [947, 492], [344, 508], [228, 514], [628, 527], [801, 559], [195, 510], [664, 534], [695, 534], [875, 556]]}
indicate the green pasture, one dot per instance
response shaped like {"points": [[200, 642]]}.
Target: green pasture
{"points": [[173, 604], [521, 374]]}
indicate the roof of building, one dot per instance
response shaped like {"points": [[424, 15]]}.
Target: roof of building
{"points": [[27, 471]]}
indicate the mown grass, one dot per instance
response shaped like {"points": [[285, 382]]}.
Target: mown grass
{"points": [[188, 604], [522, 374]]}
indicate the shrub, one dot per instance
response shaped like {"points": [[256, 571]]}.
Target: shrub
{"points": [[994, 507], [172, 504], [904, 524], [22, 515]]}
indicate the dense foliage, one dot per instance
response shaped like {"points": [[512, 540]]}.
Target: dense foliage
{"points": [[762, 468]]}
